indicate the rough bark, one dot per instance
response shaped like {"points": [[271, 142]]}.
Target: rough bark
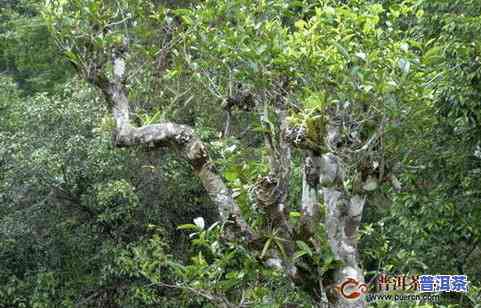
{"points": [[310, 206], [344, 211], [310, 212], [272, 190], [343, 217], [179, 137]]}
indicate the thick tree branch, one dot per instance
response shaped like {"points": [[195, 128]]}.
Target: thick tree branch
{"points": [[343, 217], [183, 139], [179, 137], [272, 190]]}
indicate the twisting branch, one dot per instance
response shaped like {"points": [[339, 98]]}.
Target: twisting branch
{"points": [[183, 139], [272, 190], [179, 137]]}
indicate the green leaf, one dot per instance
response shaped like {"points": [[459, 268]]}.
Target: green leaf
{"points": [[294, 214], [281, 248], [304, 247], [187, 227], [153, 119], [433, 55], [71, 56], [342, 50], [266, 247], [299, 254], [300, 24], [181, 12], [231, 175]]}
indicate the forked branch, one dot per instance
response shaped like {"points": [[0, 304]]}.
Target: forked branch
{"points": [[176, 136]]}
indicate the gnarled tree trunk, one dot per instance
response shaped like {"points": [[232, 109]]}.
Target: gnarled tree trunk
{"points": [[343, 218], [178, 137], [321, 176]]}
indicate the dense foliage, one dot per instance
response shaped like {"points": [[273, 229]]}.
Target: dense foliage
{"points": [[86, 223]]}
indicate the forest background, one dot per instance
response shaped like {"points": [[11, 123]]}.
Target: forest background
{"points": [[236, 153]]}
